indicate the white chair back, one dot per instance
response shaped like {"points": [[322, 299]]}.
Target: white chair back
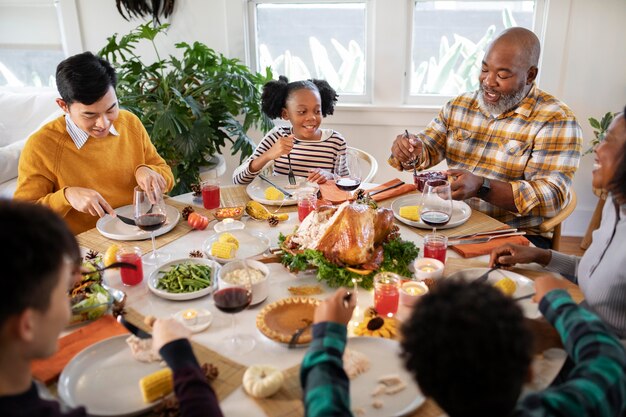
{"points": [[368, 164]]}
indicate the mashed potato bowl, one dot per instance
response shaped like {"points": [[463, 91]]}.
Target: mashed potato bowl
{"points": [[233, 273]]}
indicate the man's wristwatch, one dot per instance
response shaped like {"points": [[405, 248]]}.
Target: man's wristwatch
{"points": [[484, 188]]}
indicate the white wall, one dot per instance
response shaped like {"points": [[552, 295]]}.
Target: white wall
{"points": [[585, 67]]}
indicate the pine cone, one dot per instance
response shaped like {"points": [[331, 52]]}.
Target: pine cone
{"points": [[91, 255], [273, 221], [187, 211], [196, 189], [196, 254], [360, 194], [210, 371]]}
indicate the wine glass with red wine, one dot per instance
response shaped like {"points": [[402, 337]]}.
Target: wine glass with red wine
{"points": [[150, 217], [347, 172], [436, 208], [231, 298]]}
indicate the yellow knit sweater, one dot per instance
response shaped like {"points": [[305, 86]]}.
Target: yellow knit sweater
{"points": [[50, 162]]}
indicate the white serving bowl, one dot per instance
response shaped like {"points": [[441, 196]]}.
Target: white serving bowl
{"points": [[427, 268], [260, 289]]}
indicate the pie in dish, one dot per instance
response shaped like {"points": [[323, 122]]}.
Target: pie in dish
{"points": [[282, 318]]}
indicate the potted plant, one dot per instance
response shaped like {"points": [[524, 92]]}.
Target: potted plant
{"points": [[599, 130], [190, 106]]}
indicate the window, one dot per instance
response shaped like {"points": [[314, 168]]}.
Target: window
{"points": [[29, 57], [304, 40], [449, 39]]}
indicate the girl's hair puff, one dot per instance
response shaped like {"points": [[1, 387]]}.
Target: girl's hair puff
{"points": [[276, 92]]}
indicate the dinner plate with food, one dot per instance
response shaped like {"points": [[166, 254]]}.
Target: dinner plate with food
{"points": [[235, 245], [105, 379], [406, 209], [510, 283], [379, 384], [265, 193], [115, 229], [184, 279]]}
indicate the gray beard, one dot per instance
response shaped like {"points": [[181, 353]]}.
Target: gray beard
{"points": [[506, 102]]}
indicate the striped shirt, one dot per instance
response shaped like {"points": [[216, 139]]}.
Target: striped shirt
{"points": [[596, 386], [601, 272], [534, 147], [305, 155], [79, 136]]}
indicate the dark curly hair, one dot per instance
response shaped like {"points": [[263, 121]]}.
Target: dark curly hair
{"points": [[84, 78], [468, 348], [618, 184], [39, 242], [276, 92]]}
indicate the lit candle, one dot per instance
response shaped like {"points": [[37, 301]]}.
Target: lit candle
{"points": [[411, 291], [190, 316], [428, 268]]}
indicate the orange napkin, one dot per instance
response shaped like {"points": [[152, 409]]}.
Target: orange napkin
{"points": [[333, 194], [48, 370], [477, 249]]}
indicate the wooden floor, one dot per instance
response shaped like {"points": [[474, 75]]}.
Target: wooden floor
{"points": [[571, 245]]}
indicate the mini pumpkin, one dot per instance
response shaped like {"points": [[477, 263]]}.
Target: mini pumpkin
{"points": [[261, 381]]}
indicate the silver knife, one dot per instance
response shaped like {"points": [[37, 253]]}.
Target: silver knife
{"points": [[490, 232], [387, 188], [482, 239], [282, 190]]}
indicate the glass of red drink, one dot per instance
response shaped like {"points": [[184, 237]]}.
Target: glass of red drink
{"points": [[307, 202], [131, 255], [435, 246], [211, 193], [386, 293]]}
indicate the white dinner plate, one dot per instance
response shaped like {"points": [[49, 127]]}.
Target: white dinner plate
{"points": [[117, 230], [384, 360], [461, 212], [256, 189], [105, 379], [251, 243], [156, 274], [525, 286]]}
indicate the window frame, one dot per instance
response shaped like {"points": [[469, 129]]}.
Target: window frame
{"points": [[251, 41]]}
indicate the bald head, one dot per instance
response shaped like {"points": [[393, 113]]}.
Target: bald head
{"points": [[524, 41]]}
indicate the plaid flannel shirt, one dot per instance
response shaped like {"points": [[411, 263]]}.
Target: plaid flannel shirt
{"points": [[534, 147], [596, 386]]}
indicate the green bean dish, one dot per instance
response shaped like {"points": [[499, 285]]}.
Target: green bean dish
{"points": [[185, 278]]}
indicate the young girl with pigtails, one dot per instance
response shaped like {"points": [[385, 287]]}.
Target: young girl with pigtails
{"points": [[313, 151]]}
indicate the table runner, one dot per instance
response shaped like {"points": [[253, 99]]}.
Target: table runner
{"points": [[230, 373], [92, 239], [236, 195]]}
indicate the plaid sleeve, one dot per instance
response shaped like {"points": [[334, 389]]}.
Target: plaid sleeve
{"points": [[551, 168], [596, 386], [324, 382]]}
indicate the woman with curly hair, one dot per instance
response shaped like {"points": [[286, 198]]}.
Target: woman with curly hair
{"points": [[312, 151]]}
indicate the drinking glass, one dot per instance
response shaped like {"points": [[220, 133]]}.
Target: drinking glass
{"points": [[131, 255], [386, 293], [347, 172], [307, 202], [231, 299], [150, 217], [210, 193], [435, 246], [436, 207]]}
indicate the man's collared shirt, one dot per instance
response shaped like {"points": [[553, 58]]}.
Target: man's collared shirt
{"points": [[79, 136], [534, 147]]}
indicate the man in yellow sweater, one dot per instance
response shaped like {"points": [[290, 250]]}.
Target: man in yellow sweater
{"points": [[86, 163]]}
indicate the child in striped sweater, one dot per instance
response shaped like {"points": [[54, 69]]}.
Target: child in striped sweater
{"points": [[314, 152]]}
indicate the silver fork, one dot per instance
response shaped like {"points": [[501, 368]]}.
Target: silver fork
{"points": [[292, 178]]}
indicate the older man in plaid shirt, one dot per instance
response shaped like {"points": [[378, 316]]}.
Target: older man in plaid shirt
{"points": [[511, 148]]}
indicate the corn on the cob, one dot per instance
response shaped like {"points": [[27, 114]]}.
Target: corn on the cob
{"points": [[223, 250], [228, 238], [271, 193], [410, 213], [506, 285], [156, 385]]}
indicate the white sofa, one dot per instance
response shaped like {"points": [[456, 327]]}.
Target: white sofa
{"points": [[22, 112]]}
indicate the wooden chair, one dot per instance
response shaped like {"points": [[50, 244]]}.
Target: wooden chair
{"points": [[554, 223], [368, 160]]}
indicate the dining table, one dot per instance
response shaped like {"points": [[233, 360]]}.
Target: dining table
{"points": [[182, 241]]}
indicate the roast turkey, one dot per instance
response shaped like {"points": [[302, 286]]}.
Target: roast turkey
{"points": [[349, 235]]}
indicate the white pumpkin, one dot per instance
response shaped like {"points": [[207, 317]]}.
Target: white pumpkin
{"points": [[262, 381]]}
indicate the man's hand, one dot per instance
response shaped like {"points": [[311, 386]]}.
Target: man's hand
{"points": [[151, 182], [546, 283], [406, 148], [319, 176], [465, 184], [167, 330], [508, 255], [89, 201], [334, 309]]}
